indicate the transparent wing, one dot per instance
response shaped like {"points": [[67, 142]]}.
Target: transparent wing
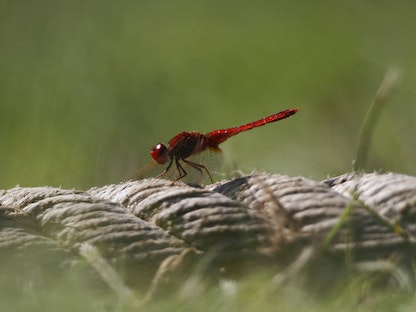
{"points": [[147, 171], [210, 160]]}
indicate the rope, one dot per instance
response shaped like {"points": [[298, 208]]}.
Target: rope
{"points": [[144, 227]]}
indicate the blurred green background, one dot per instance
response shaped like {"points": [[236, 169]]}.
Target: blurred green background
{"points": [[88, 87]]}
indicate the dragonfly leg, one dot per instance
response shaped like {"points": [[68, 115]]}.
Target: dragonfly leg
{"points": [[181, 170], [198, 167], [166, 169]]}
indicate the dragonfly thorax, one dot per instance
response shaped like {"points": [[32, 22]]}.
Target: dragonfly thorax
{"points": [[186, 144]]}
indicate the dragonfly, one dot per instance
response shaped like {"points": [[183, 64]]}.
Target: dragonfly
{"points": [[183, 146]]}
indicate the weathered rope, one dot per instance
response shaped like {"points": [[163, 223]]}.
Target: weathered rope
{"points": [[139, 225]]}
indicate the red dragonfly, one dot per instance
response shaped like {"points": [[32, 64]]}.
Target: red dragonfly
{"points": [[186, 144]]}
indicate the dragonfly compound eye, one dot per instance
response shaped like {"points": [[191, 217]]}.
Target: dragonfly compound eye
{"points": [[160, 154]]}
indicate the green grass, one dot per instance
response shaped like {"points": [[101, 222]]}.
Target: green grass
{"points": [[71, 289]]}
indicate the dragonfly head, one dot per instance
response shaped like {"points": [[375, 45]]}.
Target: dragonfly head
{"points": [[160, 153]]}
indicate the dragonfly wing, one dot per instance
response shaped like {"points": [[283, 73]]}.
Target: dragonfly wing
{"points": [[152, 170], [210, 159]]}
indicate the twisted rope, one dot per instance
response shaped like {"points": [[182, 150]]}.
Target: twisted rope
{"points": [[152, 229]]}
